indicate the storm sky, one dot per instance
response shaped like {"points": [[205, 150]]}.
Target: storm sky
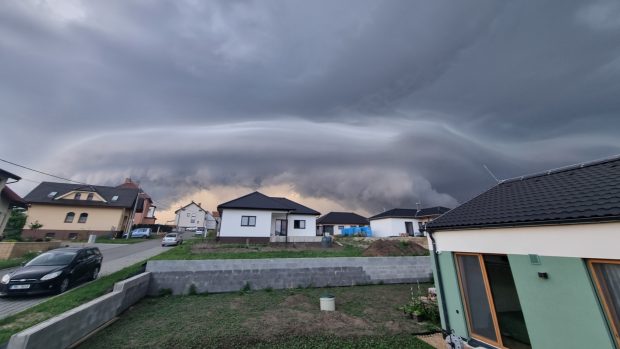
{"points": [[356, 105]]}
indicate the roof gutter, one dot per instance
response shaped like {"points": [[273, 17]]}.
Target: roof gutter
{"points": [[444, 309]]}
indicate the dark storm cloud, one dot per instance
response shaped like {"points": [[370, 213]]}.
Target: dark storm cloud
{"points": [[370, 104]]}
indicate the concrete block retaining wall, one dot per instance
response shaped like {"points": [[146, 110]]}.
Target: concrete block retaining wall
{"points": [[67, 328], [232, 275]]}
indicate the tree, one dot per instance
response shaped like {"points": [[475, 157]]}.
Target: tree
{"points": [[15, 224]]}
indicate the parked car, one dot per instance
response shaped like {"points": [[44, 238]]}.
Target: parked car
{"points": [[172, 239], [54, 271], [140, 233], [200, 231], [190, 229]]}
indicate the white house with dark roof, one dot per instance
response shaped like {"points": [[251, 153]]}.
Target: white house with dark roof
{"points": [[260, 218], [404, 221], [534, 262], [193, 216], [333, 222]]}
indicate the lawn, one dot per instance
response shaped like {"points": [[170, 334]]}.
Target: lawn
{"points": [[59, 304], [365, 317], [208, 249]]}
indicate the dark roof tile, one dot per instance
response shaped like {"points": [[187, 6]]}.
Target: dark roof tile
{"points": [[589, 192]]}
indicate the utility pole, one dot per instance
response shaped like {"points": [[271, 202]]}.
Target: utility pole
{"points": [[133, 213]]}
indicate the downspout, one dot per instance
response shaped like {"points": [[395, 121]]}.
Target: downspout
{"points": [[444, 308], [287, 213]]}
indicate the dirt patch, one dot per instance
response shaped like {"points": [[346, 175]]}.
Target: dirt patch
{"points": [[384, 248], [298, 301], [305, 323]]}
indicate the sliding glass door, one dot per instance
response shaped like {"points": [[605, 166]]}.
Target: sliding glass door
{"points": [[606, 275], [491, 302]]}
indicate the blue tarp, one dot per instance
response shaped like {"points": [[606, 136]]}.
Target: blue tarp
{"points": [[356, 231]]}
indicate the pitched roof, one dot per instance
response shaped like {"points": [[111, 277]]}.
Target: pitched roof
{"points": [[297, 208], [342, 218], [41, 195], [188, 205], [259, 201], [7, 174], [580, 193], [411, 212], [432, 211], [12, 197]]}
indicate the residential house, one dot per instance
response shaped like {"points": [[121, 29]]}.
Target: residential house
{"points": [[74, 211], [534, 262], [259, 218], [333, 222], [145, 209], [404, 221], [8, 198], [192, 216]]}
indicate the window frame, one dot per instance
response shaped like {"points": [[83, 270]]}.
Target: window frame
{"points": [[248, 221], [67, 217], [90, 196], [77, 196], [607, 309], [299, 226], [83, 218], [489, 297]]}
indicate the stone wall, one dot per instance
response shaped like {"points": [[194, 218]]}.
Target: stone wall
{"points": [[69, 327], [65, 234], [232, 275], [10, 250]]}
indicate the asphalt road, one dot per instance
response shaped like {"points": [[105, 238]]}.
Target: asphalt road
{"points": [[115, 257]]}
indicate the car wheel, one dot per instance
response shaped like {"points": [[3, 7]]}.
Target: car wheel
{"points": [[163, 245], [64, 285], [95, 273]]}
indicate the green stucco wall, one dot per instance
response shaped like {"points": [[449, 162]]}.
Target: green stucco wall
{"points": [[562, 311], [452, 294]]}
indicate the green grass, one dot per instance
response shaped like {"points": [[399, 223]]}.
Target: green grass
{"points": [[184, 252], [365, 317], [60, 304]]}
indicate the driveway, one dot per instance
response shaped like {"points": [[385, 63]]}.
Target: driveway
{"points": [[115, 257]]}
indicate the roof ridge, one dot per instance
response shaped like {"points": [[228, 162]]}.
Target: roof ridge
{"points": [[561, 169]]}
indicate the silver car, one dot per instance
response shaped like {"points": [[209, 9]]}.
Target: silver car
{"points": [[172, 239]]}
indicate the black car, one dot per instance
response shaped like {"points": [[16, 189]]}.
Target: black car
{"points": [[53, 271]]}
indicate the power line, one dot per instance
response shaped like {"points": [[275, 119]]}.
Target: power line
{"points": [[41, 172]]}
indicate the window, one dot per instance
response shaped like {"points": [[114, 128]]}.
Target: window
{"points": [[83, 218], [52, 194], [77, 196], [340, 227], [299, 224], [50, 235], [69, 217], [248, 221], [90, 196], [73, 236], [115, 198], [606, 275]]}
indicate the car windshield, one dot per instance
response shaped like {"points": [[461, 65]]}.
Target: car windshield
{"points": [[53, 258], [171, 235]]}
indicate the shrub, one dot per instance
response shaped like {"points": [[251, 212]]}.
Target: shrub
{"points": [[192, 290], [165, 292]]}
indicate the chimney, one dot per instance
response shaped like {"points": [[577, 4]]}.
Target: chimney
{"points": [[128, 180]]}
